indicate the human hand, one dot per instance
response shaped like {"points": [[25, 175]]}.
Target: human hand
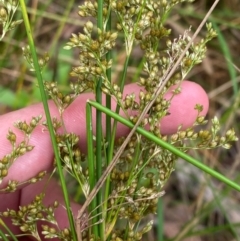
{"points": [[182, 112]]}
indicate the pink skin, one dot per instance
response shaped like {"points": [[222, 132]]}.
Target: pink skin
{"points": [[40, 158]]}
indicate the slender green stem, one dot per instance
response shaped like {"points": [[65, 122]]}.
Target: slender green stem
{"points": [[160, 220], [112, 221], [227, 55], [108, 97], [8, 230], [61, 26], [167, 146], [212, 230], [2, 235], [37, 14], [99, 160], [48, 116], [114, 129], [108, 128], [113, 133], [223, 209], [123, 77], [124, 74], [91, 167]]}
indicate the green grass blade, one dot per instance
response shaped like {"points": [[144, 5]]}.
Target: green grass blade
{"points": [[91, 167], [98, 159], [48, 116], [108, 127], [160, 219], [13, 237], [2, 235], [226, 52], [168, 146]]}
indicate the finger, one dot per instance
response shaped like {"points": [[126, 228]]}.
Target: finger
{"points": [[40, 158], [181, 111]]}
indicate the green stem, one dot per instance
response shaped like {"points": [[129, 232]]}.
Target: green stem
{"points": [[61, 26], [112, 221], [160, 220], [113, 134], [8, 230], [226, 53], [2, 235], [108, 128], [114, 129], [48, 117], [98, 159], [123, 78], [167, 146], [91, 167]]}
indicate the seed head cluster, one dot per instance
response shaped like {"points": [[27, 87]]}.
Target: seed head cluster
{"points": [[137, 180], [19, 148], [7, 11]]}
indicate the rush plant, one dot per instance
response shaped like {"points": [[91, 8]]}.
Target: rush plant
{"points": [[121, 180]]}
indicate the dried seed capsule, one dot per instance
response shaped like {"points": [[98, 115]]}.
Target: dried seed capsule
{"points": [[23, 126], [113, 36], [121, 176], [33, 122], [67, 99], [182, 134], [200, 119], [223, 139], [33, 211], [24, 228], [3, 14], [12, 212], [5, 214], [55, 204], [81, 13], [22, 150], [205, 134], [3, 173], [5, 160], [39, 215], [52, 230], [33, 180], [11, 136], [136, 216], [138, 236], [230, 133], [66, 232], [213, 144], [190, 133], [30, 148], [174, 137], [89, 26], [126, 174], [41, 174], [45, 227]]}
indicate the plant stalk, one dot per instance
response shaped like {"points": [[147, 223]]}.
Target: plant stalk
{"points": [[167, 146], [48, 116]]}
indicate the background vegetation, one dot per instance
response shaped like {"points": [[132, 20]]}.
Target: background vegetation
{"points": [[195, 206]]}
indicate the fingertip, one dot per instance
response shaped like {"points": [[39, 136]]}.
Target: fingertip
{"points": [[182, 111]]}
